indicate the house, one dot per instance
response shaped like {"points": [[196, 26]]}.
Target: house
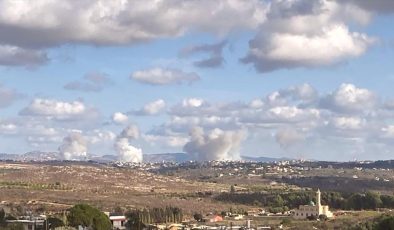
{"points": [[28, 224], [213, 218], [118, 222], [304, 211]]}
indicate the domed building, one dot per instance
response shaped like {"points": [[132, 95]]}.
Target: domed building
{"points": [[313, 209]]}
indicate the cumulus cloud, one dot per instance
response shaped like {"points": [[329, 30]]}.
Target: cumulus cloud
{"points": [[215, 52], [192, 102], [382, 6], [120, 118], [280, 115], [164, 76], [100, 136], [350, 99], [8, 96], [126, 151], [59, 110], [305, 34], [330, 46], [92, 82], [8, 128], [46, 23], [171, 140], [74, 147], [301, 95], [152, 108], [17, 56], [214, 145]]}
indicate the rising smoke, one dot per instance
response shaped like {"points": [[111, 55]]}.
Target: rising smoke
{"points": [[214, 145], [126, 151], [288, 137], [74, 147]]}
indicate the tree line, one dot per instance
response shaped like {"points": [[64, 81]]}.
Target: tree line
{"points": [[137, 219], [279, 202]]}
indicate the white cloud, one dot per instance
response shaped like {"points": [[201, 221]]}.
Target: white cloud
{"points": [[8, 96], [100, 136], [92, 82], [166, 140], [382, 6], [162, 76], [331, 45], [8, 128], [350, 99], [192, 102], [152, 108], [120, 118], [17, 56], [348, 123], [215, 52], [305, 34], [48, 23], [59, 110]]}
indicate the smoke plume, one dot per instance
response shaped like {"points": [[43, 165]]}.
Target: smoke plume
{"points": [[288, 137], [74, 147], [214, 145], [126, 151]]}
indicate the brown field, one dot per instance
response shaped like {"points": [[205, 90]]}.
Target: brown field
{"points": [[58, 186]]}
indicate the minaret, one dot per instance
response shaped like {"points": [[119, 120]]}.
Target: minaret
{"points": [[318, 198]]}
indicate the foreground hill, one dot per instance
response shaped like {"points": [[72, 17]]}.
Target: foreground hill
{"points": [[57, 185]]}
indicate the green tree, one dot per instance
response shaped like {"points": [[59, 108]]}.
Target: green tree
{"points": [[372, 200], [197, 216], [323, 217], [14, 227], [385, 223], [53, 222], [88, 216], [232, 189], [2, 216]]}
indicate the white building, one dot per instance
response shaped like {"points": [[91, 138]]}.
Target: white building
{"points": [[118, 222], [313, 209]]}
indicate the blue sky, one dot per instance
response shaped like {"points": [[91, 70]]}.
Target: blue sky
{"points": [[214, 79]]}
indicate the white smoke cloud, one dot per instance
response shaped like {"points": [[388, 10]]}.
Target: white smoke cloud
{"points": [[130, 132], [214, 145], [126, 151], [288, 137], [74, 147]]}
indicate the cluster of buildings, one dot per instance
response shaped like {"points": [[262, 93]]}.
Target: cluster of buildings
{"points": [[313, 210]]}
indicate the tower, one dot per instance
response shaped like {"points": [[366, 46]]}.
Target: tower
{"points": [[318, 197]]}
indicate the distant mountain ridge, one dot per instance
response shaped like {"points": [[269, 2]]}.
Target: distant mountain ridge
{"points": [[148, 158]]}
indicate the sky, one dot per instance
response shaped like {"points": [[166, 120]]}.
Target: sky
{"points": [[214, 79]]}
